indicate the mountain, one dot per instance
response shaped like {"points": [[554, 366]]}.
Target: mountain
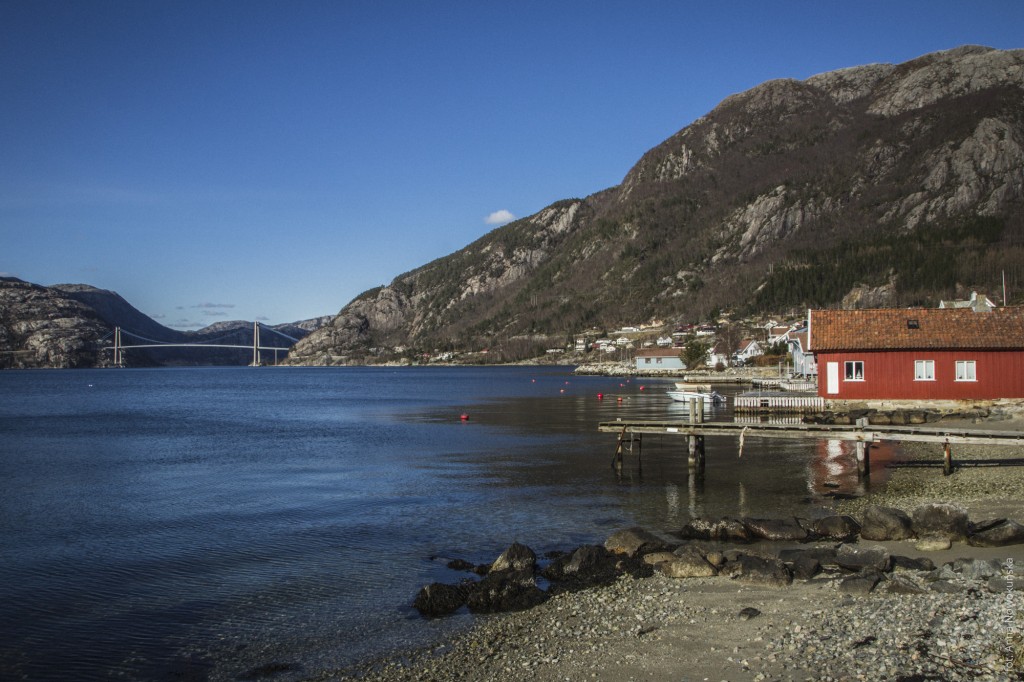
{"points": [[42, 327], [873, 185], [66, 325]]}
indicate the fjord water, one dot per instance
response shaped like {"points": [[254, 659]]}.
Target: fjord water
{"points": [[220, 522]]}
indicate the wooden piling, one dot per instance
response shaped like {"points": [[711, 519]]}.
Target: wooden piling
{"points": [[863, 451], [947, 459], [617, 457]]}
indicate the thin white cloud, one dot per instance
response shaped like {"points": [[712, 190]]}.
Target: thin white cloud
{"points": [[214, 305], [500, 217], [215, 313]]}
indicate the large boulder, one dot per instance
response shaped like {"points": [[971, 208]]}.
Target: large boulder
{"points": [[589, 566], [854, 558], [1006, 532], [516, 558], [760, 570], [886, 523], [906, 563], [439, 599], [632, 541], [826, 556], [843, 528], [977, 569], [860, 584], [687, 562], [726, 529], [777, 529], [940, 520], [501, 591]]}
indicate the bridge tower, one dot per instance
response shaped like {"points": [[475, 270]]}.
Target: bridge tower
{"points": [[118, 357], [255, 344]]}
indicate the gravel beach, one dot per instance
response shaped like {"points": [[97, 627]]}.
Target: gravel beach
{"points": [[962, 621]]}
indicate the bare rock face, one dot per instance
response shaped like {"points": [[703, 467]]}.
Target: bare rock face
{"points": [[956, 72], [40, 327]]}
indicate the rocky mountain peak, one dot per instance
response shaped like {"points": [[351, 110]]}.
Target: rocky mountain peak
{"points": [[793, 193]]}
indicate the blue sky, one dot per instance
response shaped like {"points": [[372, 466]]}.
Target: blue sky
{"points": [[271, 160]]}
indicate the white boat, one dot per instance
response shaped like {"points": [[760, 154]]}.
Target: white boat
{"points": [[710, 398], [690, 386]]}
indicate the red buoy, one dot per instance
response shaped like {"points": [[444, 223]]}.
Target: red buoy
{"points": [[600, 396], [464, 417]]}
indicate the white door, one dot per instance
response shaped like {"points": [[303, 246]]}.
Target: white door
{"points": [[832, 377]]}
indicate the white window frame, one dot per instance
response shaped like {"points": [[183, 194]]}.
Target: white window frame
{"points": [[966, 370], [850, 372], [924, 370]]}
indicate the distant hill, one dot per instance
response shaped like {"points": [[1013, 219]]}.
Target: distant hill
{"points": [[880, 185], [65, 326]]}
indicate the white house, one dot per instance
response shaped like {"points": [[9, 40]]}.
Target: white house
{"points": [[803, 360], [658, 358], [979, 303], [749, 349], [718, 355]]}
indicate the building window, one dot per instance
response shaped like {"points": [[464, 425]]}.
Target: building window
{"points": [[855, 370], [924, 370], [965, 370], [647, 361], [657, 361]]}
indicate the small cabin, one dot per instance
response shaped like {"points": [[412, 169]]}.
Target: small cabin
{"points": [[658, 358]]}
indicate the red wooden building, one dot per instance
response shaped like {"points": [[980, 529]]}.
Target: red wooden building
{"points": [[918, 353]]}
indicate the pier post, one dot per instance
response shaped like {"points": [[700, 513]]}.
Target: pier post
{"points": [[863, 451], [617, 457], [947, 459], [695, 443]]}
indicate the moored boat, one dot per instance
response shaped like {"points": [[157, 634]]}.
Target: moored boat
{"points": [[710, 398]]}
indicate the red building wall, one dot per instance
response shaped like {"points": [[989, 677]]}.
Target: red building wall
{"points": [[890, 375]]}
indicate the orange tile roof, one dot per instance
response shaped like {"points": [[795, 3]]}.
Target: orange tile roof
{"points": [[917, 328]]}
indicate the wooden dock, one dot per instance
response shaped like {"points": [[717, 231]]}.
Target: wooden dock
{"points": [[778, 403], [862, 434]]}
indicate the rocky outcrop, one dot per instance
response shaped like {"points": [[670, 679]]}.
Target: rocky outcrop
{"points": [[41, 327]]}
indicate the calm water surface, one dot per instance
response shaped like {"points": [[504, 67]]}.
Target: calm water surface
{"points": [[203, 523]]}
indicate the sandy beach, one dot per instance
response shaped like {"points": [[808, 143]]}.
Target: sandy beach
{"points": [[960, 624]]}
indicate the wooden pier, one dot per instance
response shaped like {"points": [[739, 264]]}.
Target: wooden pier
{"points": [[861, 433], [778, 403]]}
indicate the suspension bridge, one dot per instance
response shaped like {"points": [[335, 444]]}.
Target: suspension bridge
{"points": [[119, 345]]}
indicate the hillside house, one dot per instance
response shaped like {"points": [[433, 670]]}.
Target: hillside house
{"points": [[919, 353], [803, 359], [978, 303], [718, 355], [748, 350], [776, 334], [658, 358]]}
